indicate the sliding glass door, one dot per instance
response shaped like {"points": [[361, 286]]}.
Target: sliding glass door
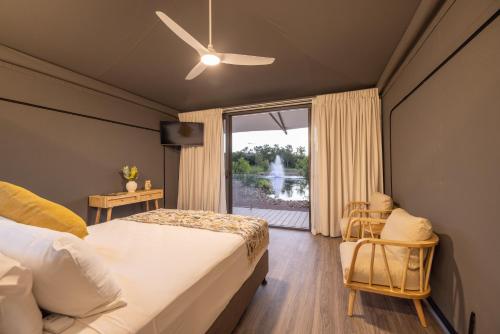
{"points": [[267, 165]]}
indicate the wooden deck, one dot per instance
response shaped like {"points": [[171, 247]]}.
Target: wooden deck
{"points": [[278, 218]]}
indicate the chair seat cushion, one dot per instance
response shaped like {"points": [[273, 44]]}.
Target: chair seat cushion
{"points": [[344, 222], [380, 277]]}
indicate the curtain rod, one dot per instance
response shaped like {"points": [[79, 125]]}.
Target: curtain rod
{"points": [[268, 105]]}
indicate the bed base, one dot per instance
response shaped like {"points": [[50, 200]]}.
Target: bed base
{"points": [[229, 318]]}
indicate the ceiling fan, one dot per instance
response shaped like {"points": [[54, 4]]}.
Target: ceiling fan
{"points": [[209, 57]]}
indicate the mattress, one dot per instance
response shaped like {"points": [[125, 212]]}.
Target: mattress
{"points": [[174, 279]]}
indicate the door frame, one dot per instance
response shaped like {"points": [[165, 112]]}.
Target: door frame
{"points": [[228, 131]]}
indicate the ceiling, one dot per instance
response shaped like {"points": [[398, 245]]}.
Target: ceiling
{"points": [[320, 45], [289, 118]]}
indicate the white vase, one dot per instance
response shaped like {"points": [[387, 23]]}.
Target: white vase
{"points": [[131, 186]]}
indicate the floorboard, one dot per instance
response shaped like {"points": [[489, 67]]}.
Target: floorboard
{"points": [[277, 218], [305, 294]]}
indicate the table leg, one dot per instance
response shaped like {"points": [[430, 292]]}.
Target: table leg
{"points": [[156, 204], [98, 216], [108, 216], [147, 205]]}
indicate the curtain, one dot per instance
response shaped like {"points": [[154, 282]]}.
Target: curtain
{"points": [[201, 170], [346, 155]]}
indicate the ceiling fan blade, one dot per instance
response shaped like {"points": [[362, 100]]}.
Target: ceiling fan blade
{"points": [[237, 59], [183, 34], [197, 70]]}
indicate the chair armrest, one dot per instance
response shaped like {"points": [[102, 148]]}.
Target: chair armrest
{"points": [[365, 222], [420, 245], [367, 212], [354, 205], [359, 202], [432, 241]]}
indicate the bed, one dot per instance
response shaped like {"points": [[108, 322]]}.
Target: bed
{"points": [[174, 279]]}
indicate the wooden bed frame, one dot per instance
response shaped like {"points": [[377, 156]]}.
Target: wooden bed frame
{"points": [[231, 315]]}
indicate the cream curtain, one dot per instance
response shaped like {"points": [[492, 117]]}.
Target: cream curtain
{"points": [[201, 170], [346, 155]]}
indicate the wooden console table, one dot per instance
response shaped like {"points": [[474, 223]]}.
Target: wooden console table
{"points": [[109, 201]]}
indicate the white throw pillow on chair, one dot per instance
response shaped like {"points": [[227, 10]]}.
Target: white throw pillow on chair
{"points": [[402, 226], [68, 277], [19, 312], [379, 201]]}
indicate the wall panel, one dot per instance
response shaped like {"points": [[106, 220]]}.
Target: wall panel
{"points": [[445, 155], [66, 157]]}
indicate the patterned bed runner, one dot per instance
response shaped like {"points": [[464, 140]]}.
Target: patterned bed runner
{"points": [[254, 231]]}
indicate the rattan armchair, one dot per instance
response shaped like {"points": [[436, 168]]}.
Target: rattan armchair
{"points": [[350, 227], [382, 273]]}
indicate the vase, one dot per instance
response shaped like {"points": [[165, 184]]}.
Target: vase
{"points": [[131, 186]]}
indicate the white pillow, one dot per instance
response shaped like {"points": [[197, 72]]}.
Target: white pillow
{"points": [[379, 201], [402, 226], [68, 277], [18, 310]]}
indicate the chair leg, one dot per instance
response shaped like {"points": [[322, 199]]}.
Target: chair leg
{"points": [[352, 298], [420, 312]]}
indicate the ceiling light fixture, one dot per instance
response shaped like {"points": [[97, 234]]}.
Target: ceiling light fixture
{"points": [[210, 59]]}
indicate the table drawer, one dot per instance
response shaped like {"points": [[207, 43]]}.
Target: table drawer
{"points": [[111, 202], [148, 197]]}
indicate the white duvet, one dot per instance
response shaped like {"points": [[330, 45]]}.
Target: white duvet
{"points": [[174, 279]]}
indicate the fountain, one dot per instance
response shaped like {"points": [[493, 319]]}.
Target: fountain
{"points": [[277, 175]]}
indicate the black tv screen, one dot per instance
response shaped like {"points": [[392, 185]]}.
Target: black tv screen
{"points": [[181, 133]]}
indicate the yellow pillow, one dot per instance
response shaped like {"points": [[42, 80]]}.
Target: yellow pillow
{"points": [[22, 206]]}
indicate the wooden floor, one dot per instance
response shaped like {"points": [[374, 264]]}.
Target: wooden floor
{"points": [[278, 218], [305, 294]]}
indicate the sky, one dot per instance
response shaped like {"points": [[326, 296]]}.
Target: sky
{"points": [[295, 137]]}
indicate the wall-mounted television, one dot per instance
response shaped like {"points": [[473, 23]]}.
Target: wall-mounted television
{"points": [[181, 133]]}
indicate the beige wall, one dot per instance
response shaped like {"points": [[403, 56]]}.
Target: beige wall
{"points": [[442, 144], [66, 157]]}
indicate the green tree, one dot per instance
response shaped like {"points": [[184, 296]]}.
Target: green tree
{"points": [[287, 156], [261, 161], [260, 157], [265, 185], [303, 166], [266, 152], [241, 166], [300, 151]]}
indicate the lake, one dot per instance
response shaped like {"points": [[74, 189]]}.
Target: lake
{"points": [[287, 188]]}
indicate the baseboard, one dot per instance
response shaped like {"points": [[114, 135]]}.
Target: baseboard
{"points": [[439, 316]]}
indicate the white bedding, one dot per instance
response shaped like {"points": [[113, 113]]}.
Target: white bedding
{"points": [[174, 279]]}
